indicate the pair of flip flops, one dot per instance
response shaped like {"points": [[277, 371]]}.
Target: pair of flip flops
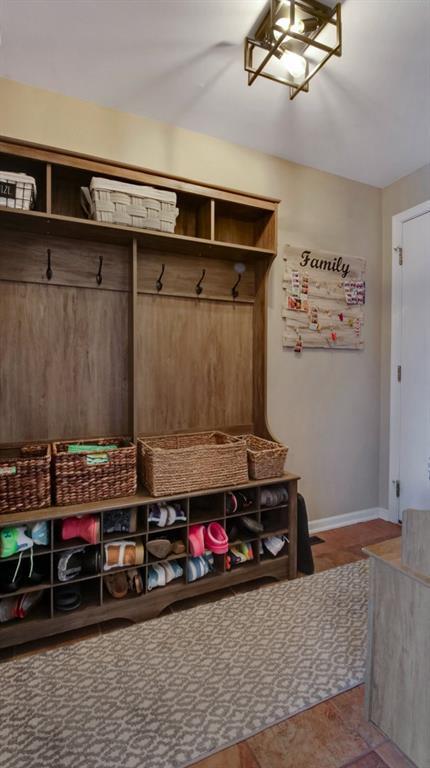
{"points": [[120, 584], [162, 548], [212, 537]]}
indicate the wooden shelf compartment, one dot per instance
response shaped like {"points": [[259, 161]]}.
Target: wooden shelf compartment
{"points": [[31, 167], [90, 596], [245, 225]]}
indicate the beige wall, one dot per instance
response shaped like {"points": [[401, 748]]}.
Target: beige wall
{"points": [[323, 404], [398, 197]]}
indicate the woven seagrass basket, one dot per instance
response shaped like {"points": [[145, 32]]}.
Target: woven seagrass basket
{"points": [[182, 463], [265, 457], [25, 479], [92, 476]]}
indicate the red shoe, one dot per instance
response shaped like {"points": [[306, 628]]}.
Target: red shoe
{"points": [[86, 528], [196, 540]]}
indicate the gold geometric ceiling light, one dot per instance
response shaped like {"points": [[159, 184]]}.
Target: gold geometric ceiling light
{"points": [[292, 42]]}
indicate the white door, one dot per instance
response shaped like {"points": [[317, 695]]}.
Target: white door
{"points": [[414, 453]]}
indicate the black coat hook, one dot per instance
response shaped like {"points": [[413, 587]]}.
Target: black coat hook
{"points": [[159, 284], [99, 277], [234, 290], [49, 272], [199, 288]]}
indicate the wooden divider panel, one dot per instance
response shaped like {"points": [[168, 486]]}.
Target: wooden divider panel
{"points": [[194, 364], [64, 362]]}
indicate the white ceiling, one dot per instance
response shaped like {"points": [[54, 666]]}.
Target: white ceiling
{"points": [[366, 117]]}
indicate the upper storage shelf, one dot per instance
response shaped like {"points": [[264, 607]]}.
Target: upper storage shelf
{"points": [[213, 221]]}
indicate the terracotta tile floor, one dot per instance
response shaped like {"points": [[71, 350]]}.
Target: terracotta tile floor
{"points": [[334, 734]]}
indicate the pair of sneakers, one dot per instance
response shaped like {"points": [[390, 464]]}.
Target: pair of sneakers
{"points": [[239, 553], [274, 496], [163, 514], [161, 574], [197, 567], [18, 607], [16, 539]]}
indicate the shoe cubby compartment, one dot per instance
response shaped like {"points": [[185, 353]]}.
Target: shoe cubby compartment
{"points": [[167, 515], [266, 555], [161, 546], [31, 168], [76, 564], [274, 496], [243, 527], [237, 550], [274, 521], [80, 530], [76, 596], [165, 574], [133, 579], [28, 575], [241, 502], [207, 508], [123, 523], [37, 549]]}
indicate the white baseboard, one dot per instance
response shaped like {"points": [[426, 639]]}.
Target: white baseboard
{"points": [[339, 521]]}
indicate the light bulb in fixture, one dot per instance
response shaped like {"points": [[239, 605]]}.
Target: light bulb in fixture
{"points": [[295, 64], [284, 24], [298, 27]]}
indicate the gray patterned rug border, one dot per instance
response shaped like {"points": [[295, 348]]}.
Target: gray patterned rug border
{"points": [[169, 692]]}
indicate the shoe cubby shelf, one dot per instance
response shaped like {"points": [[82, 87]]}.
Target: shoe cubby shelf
{"points": [[98, 605]]}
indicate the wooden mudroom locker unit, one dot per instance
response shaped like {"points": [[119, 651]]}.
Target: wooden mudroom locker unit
{"points": [[92, 346]]}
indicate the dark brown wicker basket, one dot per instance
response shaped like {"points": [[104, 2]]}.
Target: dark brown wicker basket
{"points": [[265, 457], [25, 479], [182, 463], [79, 478]]}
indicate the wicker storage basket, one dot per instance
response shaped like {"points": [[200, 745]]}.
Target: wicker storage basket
{"points": [[25, 479], [93, 476], [132, 205], [265, 458], [182, 463], [17, 190]]}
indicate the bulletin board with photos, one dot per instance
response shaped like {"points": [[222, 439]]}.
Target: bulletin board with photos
{"points": [[324, 297]]}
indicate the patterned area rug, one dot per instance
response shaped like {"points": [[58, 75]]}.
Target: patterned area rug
{"points": [[168, 692]]}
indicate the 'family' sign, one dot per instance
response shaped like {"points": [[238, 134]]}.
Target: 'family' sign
{"points": [[324, 297]]}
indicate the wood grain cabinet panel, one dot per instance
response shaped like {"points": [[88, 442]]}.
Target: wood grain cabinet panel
{"points": [[195, 364]]}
